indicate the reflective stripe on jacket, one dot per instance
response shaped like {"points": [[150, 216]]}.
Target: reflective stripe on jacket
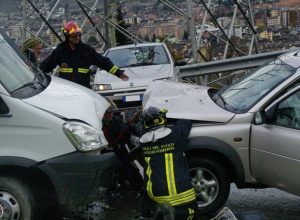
{"points": [[74, 64]]}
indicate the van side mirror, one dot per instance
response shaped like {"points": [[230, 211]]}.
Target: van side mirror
{"points": [[259, 117], [180, 63], [4, 110]]}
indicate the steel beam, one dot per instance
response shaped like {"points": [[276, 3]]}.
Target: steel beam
{"points": [[228, 65]]}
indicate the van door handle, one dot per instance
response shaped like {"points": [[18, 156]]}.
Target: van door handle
{"points": [[5, 115]]}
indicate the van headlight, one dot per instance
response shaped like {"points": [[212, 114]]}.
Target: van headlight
{"points": [[102, 87], [84, 137]]}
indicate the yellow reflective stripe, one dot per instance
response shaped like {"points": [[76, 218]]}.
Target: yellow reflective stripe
{"points": [[66, 70], [113, 70], [178, 199], [170, 174], [190, 217], [178, 196], [191, 211], [174, 202], [83, 70], [148, 172]]}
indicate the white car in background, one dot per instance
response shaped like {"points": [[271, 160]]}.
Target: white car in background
{"points": [[143, 63]]}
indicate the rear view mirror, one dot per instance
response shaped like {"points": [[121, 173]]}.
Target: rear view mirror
{"points": [[180, 63], [259, 117]]}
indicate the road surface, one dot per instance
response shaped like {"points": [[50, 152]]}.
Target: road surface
{"points": [[273, 203]]}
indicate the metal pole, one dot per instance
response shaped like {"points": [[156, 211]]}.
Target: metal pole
{"points": [[23, 32], [83, 23], [167, 3], [115, 25], [44, 19], [254, 38], [49, 15], [203, 24], [230, 32], [106, 29], [192, 31], [92, 22], [220, 28]]}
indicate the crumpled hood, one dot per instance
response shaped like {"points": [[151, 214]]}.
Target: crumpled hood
{"points": [[184, 101], [71, 101], [140, 76]]}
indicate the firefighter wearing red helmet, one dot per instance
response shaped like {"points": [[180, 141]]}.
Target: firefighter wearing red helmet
{"points": [[71, 28], [74, 58]]}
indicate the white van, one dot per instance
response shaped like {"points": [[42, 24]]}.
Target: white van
{"points": [[50, 141]]}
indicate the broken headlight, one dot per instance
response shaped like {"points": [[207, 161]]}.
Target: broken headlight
{"points": [[84, 137]]}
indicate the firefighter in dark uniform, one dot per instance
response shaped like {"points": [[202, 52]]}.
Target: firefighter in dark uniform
{"points": [[167, 179], [75, 58], [117, 133]]}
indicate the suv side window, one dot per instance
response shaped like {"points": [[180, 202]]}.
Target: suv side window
{"points": [[287, 113], [3, 107]]}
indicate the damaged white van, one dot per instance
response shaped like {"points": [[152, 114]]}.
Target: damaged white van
{"points": [[50, 142]]}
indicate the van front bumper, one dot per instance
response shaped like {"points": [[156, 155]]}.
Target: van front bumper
{"points": [[77, 178]]}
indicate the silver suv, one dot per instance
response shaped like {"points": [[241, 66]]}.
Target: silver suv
{"points": [[247, 133]]}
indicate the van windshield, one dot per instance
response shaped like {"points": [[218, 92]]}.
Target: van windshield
{"points": [[245, 93], [15, 73]]}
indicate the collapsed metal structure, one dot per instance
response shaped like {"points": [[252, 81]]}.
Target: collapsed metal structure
{"points": [[244, 8], [223, 35]]}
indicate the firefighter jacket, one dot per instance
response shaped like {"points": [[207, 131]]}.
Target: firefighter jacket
{"points": [[74, 64], [167, 177]]}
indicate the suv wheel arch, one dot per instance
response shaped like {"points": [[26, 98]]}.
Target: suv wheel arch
{"points": [[213, 147]]}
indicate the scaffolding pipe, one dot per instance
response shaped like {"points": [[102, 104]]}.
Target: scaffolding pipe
{"points": [[92, 22], [114, 25], [230, 32], [216, 23], [170, 5], [48, 17], [202, 26], [93, 8], [44, 19]]}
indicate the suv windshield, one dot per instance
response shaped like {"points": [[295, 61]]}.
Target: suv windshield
{"points": [[242, 95], [15, 73], [138, 56]]}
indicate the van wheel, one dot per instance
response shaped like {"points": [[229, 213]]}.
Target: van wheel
{"points": [[211, 183], [16, 200]]}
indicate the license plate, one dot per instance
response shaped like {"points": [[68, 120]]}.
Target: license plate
{"points": [[132, 98]]}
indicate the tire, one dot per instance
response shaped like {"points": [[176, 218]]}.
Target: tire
{"points": [[211, 182], [16, 199]]}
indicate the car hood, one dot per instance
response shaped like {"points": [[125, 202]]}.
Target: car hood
{"points": [[139, 76], [184, 101], [71, 101]]}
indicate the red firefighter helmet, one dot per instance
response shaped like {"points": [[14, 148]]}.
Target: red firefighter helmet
{"points": [[71, 28]]}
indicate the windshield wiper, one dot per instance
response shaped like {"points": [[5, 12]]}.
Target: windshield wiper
{"points": [[32, 83], [218, 96], [139, 64], [237, 89]]}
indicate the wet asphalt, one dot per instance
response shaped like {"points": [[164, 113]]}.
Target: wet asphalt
{"points": [[272, 203]]}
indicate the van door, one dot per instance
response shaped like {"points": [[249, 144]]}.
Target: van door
{"points": [[28, 132], [275, 146]]}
